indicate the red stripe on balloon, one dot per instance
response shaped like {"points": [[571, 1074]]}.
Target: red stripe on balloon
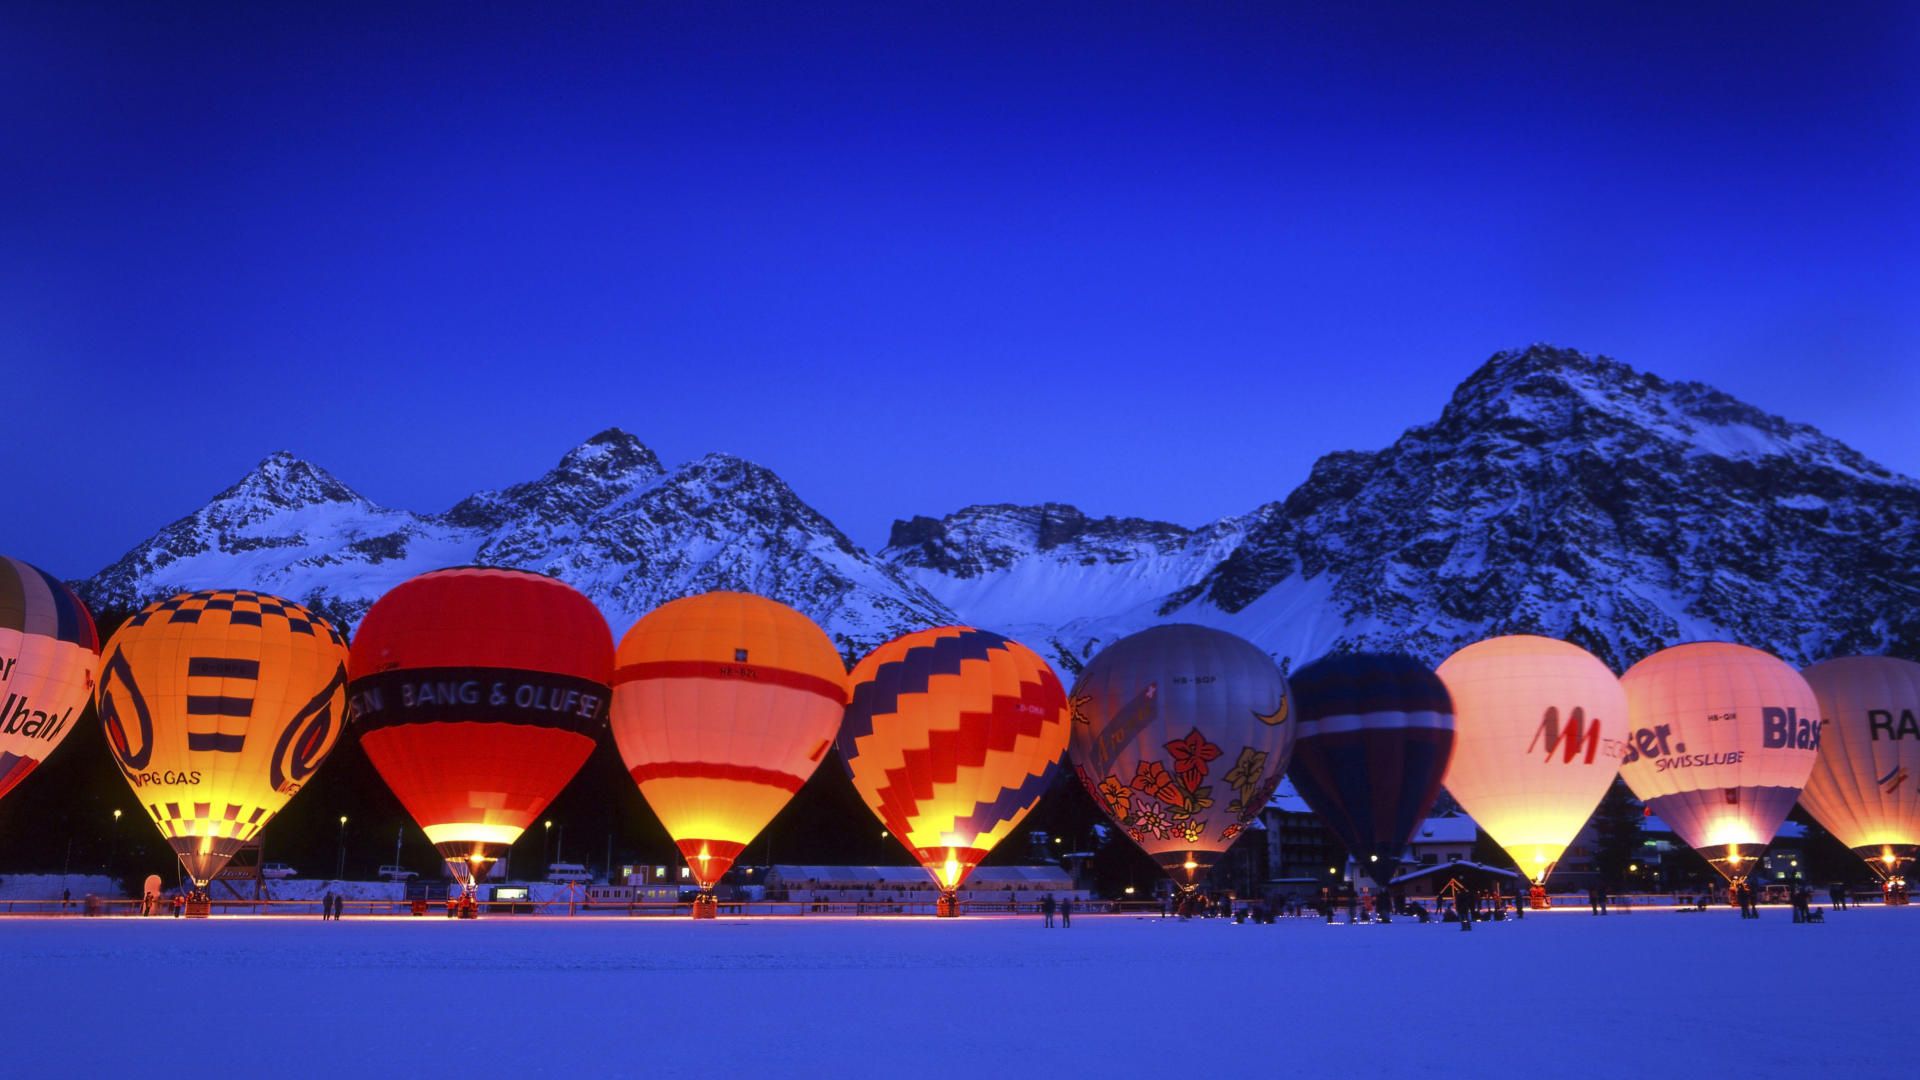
{"points": [[710, 770], [714, 669]]}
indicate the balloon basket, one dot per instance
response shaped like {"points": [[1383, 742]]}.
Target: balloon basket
{"points": [[199, 909], [947, 907], [705, 906], [1537, 898]]}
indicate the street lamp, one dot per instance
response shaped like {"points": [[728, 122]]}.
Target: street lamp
{"points": [[546, 845], [113, 851], [340, 868]]}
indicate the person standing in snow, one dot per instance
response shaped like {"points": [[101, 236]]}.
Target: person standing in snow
{"points": [[1046, 909], [1066, 912], [1463, 904]]}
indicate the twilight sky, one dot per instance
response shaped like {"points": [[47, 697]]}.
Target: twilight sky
{"points": [[1150, 259]]}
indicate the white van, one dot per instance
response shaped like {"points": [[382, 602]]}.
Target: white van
{"points": [[278, 870], [397, 873], [568, 873]]}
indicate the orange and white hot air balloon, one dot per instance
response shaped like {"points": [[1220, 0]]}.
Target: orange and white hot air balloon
{"points": [[1538, 729], [1864, 787], [1723, 739], [723, 706]]}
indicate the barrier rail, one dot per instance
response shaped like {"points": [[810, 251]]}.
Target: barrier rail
{"points": [[115, 907]]}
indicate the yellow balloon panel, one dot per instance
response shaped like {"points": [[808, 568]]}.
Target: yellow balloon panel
{"points": [[1539, 727], [218, 706]]}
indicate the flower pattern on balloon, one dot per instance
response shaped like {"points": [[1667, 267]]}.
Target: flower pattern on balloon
{"points": [[1246, 779], [1118, 796], [1152, 778], [1192, 754]]}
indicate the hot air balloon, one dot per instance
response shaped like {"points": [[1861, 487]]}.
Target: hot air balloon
{"points": [[1722, 739], [218, 706], [48, 657], [1864, 787], [1538, 729], [723, 705], [951, 736], [478, 694], [1180, 733], [1376, 732]]}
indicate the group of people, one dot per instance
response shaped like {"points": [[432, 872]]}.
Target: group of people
{"points": [[1065, 907], [332, 906]]}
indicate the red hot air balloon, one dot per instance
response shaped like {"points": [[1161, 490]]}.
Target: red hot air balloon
{"points": [[478, 694]]}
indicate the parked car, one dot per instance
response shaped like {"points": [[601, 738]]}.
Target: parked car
{"points": [[565, 873], [278, 870], [397, 873]]}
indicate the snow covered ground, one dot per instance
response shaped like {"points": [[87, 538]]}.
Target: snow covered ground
{"points": [[1564, 994]]}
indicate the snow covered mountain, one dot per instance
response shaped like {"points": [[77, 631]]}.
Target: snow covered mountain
{"points": [[1557, 493], [608, 519]]}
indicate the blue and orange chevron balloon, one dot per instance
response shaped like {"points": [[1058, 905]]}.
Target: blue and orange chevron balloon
{"points": [[951, 737]]}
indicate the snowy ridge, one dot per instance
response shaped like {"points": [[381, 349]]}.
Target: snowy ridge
{"points": [[608, 519], [1556, 493]]}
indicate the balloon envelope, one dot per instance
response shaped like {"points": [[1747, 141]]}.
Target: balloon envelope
{"points": [[1864, 788], [478, 694], [1723, 737], [1181, 735], [723, 705], [1538, 730], [49, 655], [1376, 732], [218, 706], [951, 735]]}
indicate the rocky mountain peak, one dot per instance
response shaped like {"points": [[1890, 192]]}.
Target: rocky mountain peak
{"points": [[284, 481], [611, 454], [588, 478]]}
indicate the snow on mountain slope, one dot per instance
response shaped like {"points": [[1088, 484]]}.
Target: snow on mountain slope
{"points": [[1019, 569], [1556, 493], [607, 519]]}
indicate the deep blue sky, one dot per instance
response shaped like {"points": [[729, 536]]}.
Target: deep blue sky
{"points": [[916, 255]]}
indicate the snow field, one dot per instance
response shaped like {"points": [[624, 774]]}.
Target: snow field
{"points": [[1560, 994]]}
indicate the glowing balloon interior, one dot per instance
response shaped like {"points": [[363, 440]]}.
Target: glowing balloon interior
{"points": [[218, 706], [478, 694], [1863, 788], [723, 706], [1723, 738], [1537, 738], [951, 736]]}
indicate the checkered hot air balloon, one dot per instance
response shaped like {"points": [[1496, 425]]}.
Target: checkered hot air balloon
{"points": [[723, 706], [219, 705], [1723, 738], [1181, 735], [1376, 733], [951, 736], [1863, 787], [48, 657], [478, 694]]}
